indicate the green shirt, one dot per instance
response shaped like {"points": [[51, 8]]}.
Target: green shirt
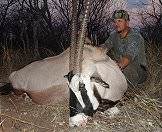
{"points": [[131, 45]]}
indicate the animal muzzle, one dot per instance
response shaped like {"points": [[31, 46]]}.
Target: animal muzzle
{"points": [[78, 120], [80, 109], [82, 101]]}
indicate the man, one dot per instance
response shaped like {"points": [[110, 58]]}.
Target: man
{"points": [[128, 48]]}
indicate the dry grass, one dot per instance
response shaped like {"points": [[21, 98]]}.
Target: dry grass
{"points": [[140, 109]]}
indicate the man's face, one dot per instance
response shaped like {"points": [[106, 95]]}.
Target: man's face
{"points": [[121, 25]]}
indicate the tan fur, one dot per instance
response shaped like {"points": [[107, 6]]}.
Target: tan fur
{"points": [[51, 95], [44, 80]]}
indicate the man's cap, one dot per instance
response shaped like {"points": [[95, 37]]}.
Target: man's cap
{"points": [[120, 14]]}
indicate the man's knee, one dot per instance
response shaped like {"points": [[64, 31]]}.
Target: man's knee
{"points": [[131, 75], [143, 74]]}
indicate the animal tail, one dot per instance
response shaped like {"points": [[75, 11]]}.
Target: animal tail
{"points": [[6, 88]]}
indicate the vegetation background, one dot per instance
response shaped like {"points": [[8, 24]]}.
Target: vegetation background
{"points": [[34, 29]]}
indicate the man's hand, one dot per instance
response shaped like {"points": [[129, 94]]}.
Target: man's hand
{"points": [[124, 62]]}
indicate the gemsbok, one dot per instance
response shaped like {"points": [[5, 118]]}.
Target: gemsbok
{"points": [[91, 77], [44, 81]]}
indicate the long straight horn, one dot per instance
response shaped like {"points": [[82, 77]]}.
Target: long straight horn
{"points": [[80, 44], [73, 44]]}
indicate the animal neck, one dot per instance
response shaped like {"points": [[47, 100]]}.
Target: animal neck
{"points": [[95, 53]]}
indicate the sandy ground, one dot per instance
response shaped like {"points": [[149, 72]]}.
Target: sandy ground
{"points": [[137, 114], [19, 115]]}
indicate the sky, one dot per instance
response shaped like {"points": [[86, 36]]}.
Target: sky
{"points": [[132, 3], [134, 7]]}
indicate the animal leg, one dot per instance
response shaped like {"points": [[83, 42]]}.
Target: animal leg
{"points": [[18, 92], [100, 81]]}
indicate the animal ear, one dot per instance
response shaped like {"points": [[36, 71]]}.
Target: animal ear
{"points": [[69, 76], [66, 76], [81, 86]]}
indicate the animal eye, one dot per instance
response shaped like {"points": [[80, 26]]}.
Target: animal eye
{"points": [[82, 87]]}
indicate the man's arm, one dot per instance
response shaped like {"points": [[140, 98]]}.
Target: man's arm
{"points": [[124, 62], [129, 55], [107, 44]]}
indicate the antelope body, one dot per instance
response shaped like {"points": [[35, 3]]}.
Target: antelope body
{"points": [[41, 79], [44, 80]]}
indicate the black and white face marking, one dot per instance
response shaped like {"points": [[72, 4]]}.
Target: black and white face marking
{"points": [[76, 107], [82, 102], [69, 76]]}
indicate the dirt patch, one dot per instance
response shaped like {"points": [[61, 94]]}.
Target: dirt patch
{"points": [[19, 115], [138, 113]]}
